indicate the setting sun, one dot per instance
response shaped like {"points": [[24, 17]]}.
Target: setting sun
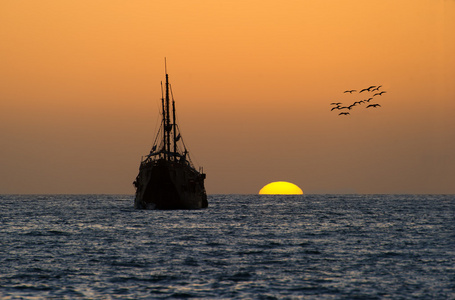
{"points": [[280, 188]]}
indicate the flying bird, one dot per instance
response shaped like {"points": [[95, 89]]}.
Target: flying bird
{"points": [[373, 105], [377, 88], [349, 91], [336, 107], [343, 113], [367, 89], [368, 100], [379, 94], [337, 103]]}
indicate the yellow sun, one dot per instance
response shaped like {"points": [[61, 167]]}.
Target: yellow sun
{"points": [[280, 188]]}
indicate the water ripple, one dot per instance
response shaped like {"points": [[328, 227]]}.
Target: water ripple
{"points": [[243, 246]]}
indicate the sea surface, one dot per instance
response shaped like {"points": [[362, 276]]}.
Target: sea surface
{"points": [[241, 247]]}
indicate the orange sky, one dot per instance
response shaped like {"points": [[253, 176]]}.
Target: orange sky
{"points": [[80, 90]]}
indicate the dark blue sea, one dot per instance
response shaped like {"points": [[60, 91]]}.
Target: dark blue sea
{"points": [[241, 247]]}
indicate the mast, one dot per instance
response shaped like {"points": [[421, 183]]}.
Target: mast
{"points": [[164, 119], [168, 127], [174, 127]]}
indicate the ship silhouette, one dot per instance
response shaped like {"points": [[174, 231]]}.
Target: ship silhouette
{"points": [[167, 178]]}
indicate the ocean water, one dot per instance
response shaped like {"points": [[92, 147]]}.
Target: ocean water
{"points": [[241, 247]]}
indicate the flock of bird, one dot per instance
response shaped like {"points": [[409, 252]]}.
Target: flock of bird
{"points": [[370, 89]]}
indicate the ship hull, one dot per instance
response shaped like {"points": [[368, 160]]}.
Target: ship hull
{"points": [[163, 184]]}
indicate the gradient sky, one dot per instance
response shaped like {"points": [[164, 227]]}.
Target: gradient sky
{"points": [[253, 80]]}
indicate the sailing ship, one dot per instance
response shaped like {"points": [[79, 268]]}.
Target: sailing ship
{"points": [[167, 177]]}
